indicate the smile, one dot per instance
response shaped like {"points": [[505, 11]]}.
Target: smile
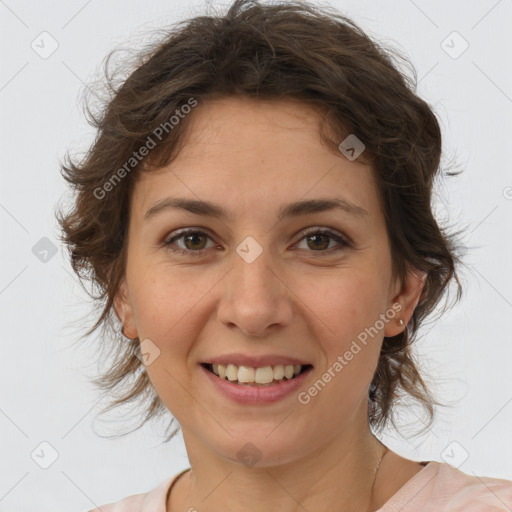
{"points": [[254, 393], [261, 376]]}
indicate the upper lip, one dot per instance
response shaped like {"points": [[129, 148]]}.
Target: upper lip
{"points": [[255, 361]]}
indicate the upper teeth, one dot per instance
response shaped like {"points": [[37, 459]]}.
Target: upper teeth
{"points": [[263, 375]]}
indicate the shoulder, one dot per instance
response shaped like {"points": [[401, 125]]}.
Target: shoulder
{"points": [[482, 492], [153, 500], [440, 487]]}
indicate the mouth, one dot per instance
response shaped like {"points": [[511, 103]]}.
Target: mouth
{"points": [[263, 376]]}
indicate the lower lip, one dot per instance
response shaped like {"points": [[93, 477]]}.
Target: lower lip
{"points": [[256, 395]]}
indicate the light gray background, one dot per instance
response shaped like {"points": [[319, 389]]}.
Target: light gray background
{"points": [[46, 396]]}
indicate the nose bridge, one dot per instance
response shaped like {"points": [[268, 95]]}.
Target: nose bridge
{"points": [[253, 297], [252, 268]]}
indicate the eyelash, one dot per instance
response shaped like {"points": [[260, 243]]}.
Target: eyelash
{"points": [[326, 232]]}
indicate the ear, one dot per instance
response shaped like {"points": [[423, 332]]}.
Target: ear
{"points": [[124, 311], [408, 297]]}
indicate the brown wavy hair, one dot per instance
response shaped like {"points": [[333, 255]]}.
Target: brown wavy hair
{"points": [[281, 50]]}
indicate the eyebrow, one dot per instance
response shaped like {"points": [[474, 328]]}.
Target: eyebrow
{"points": [[295, 209]]}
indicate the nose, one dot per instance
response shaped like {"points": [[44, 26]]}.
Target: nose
{"points": [[255, 298]]}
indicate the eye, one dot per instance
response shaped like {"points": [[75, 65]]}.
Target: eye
{"points": [[191, 237], [317, 239]]}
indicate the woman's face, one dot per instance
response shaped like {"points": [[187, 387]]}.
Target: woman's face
{"points": [[255, 284]]}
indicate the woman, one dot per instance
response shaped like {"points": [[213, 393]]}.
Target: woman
{"points": [[256, 210]]}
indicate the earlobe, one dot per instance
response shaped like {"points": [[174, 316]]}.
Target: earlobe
{"points": [[408, 298]]}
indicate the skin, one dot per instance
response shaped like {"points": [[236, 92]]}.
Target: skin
{"points": [[251, 157]]}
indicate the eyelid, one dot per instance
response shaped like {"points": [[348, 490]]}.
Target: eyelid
{"points": [[343, 240], [180, 233], [327, 231]]}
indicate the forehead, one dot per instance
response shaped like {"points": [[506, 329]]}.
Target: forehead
{"points": [[252, 154]]}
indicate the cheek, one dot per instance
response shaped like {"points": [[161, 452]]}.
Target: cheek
{"points": [[165, 314], [349, 304], [170, 307], [164, 297]]}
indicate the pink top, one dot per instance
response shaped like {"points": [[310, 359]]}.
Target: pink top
{"points": [[438, 487]]}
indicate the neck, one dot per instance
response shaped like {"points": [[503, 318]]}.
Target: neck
{"points": [[338, 474]]}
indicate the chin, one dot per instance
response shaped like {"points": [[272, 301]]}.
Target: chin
{"points": [[257, 448]]}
